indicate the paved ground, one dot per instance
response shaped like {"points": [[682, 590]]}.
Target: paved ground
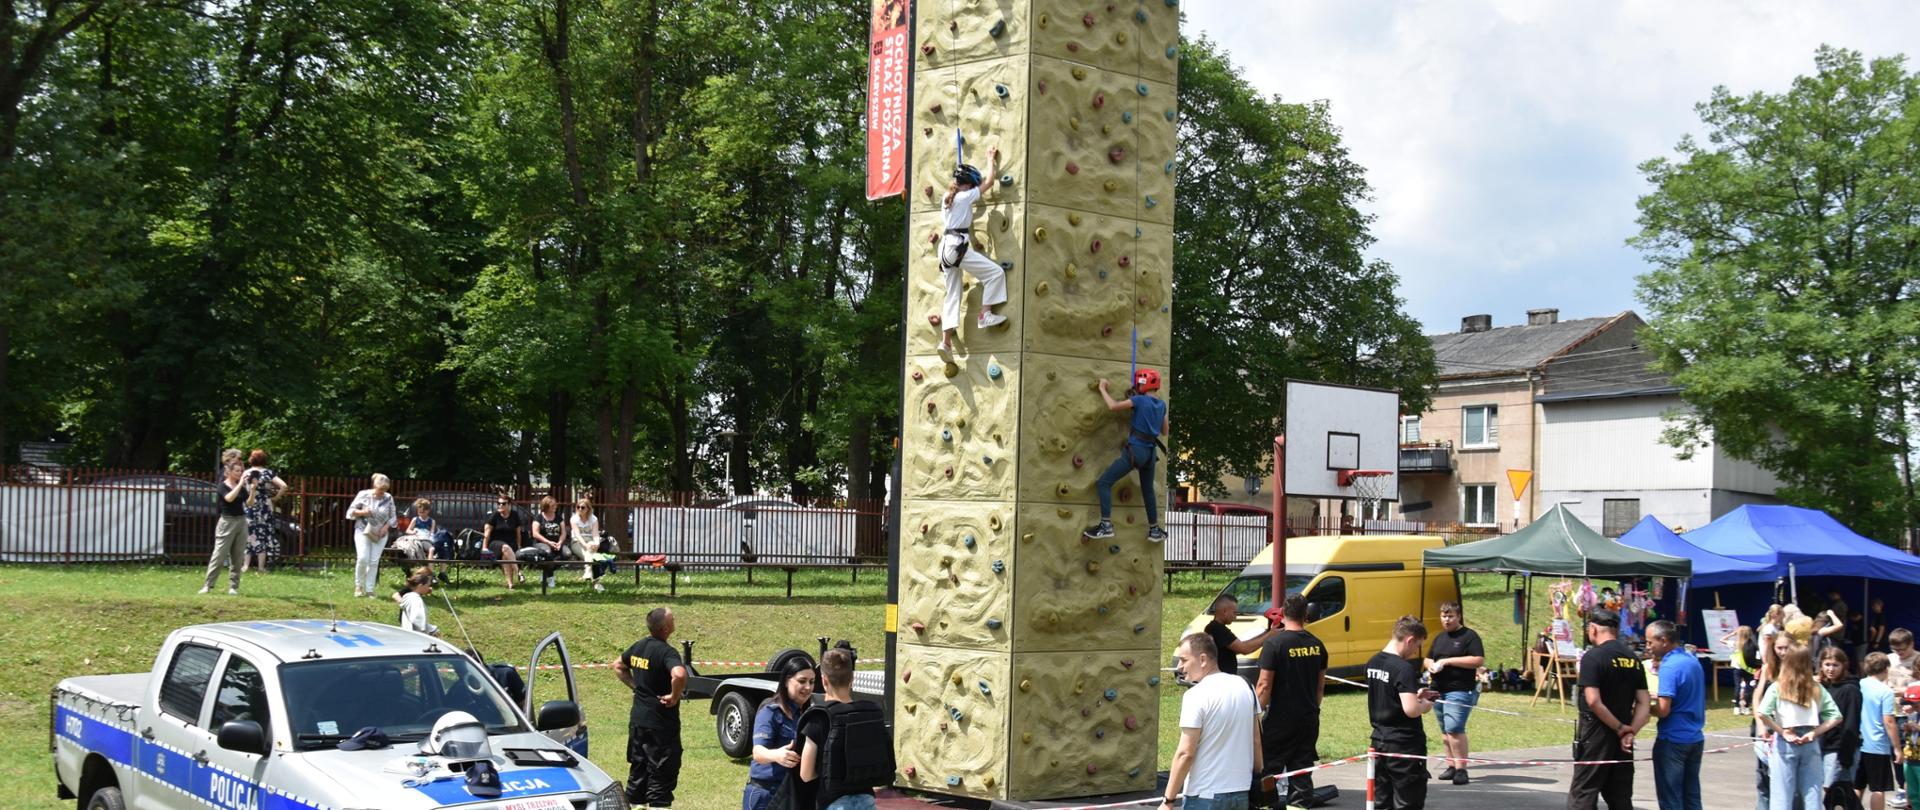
{"points": [[1727, 781]]}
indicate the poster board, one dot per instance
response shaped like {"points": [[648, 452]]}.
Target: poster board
{"points": [[1719, 625], [1563, 645]]}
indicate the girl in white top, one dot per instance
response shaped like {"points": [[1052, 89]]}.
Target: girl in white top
{"points": [[373, 514], [1796, 711], [586, 537], [957, 255], [413, 603]]}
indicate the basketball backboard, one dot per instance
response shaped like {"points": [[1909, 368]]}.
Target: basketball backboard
{"points": [[1334, 428]]}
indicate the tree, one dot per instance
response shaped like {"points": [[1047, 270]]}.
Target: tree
{"points": [[1270, 278], [1786, 255]]}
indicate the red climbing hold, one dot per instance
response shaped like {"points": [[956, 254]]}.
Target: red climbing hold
{"points": [[935, 109], [1126, 663], [1132, 722], [1086, 712], [1095, 247], [1109, 8], [1142, 300], [926, 50], [928, 131], [917, 376], [1106, 331], [906, 676], [1073, 46], [1072, 167], [1126, 261], [949, 472], [910, 771], [929, 407], [1087, 20], [933, 319], [919, 627], [924, 528], [1092, 769], [1116, 154], [1078, 462], [928, 191], [1042, 87], [954, 26], [1099, 100]]}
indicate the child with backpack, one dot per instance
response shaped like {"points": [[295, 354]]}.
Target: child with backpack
{"points": [[847, 751]]}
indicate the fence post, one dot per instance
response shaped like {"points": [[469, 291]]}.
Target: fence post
{"points": [[67, 477]]}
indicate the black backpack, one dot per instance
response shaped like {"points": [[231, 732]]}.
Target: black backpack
{"points": [[859, 751]]}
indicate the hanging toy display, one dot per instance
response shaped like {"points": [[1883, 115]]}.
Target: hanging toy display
{"points": [[1587, 599]]}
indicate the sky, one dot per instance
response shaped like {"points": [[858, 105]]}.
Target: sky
{"points": [[1502, 137]]}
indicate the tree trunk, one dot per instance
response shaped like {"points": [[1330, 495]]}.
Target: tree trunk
{"points": [[6, 335], [559, 406]]}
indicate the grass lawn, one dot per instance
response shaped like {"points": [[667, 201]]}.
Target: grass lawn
{"points": [[79, 620]]}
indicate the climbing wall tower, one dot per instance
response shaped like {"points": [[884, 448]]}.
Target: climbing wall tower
{"points": [[1028, 659]]}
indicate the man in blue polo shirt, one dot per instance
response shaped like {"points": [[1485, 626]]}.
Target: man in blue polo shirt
{"points": [[1681, 705]]}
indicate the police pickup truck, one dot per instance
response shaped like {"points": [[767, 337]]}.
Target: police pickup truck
{"points": [[279, 715]]}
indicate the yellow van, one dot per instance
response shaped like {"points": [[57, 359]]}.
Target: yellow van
{"points": [[1356, 586]]}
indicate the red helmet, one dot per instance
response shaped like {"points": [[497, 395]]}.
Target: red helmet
{"points": [[1146, 380], [1913, 693]]}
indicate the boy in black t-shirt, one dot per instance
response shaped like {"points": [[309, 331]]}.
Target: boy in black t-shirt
{"points": [[1293, 668], [1454, 661], [657, 677], [840, 778], [1614, 705], [1395, 704]]}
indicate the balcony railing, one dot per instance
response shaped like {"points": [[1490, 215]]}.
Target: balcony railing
{"points": [[1428, 457]]}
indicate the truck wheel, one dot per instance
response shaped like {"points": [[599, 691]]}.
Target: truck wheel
{"points": [[734, 723], [106, 798]]}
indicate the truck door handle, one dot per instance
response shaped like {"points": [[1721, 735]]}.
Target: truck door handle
{"points": [[147, 733], [1349, 623], [200, 756]]}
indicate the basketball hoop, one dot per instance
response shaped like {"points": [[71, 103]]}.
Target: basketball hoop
{"points": [[1370, 487]]}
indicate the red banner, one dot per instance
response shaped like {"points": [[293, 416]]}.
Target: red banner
{"points": [[887, 100]]}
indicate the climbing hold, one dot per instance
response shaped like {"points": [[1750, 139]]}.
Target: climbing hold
{"points": [[1026, 737], [1126, 261], [919, 627], [928, 191], [1113, 549], [1129, 517], [1110, 186], [933, 319], [1151, 202], [999, 567], [1044, 19], [1040, 234], [988, 781], [1080, 73], [1087, 20], [1079, 462], [1106, 331], [1169, 168], [1126, 663], [1102, 610], [1072, 167], [993, 522], [968, 540], [1006, 180], [993, 371], [1073, 46], [935, 109], [1006, 267], [949, 473], [1063, 513], [1112, 694], [1041, 85], [1153, 680], [1141, 87], [955, 677], [1099, 733], [1040, 289], [1000, 27], [1172, 52], [930, 407], [1117, 154], [917, 376], [952, 781], [1140, 15], [1094, 246], [927, 50], [1134, 772], [1092, 769], [984, 688], [1106, 129], [946, 435], [1099, 100], [954, 26], [1136, 232], [952, 370], [911, 771], [924, 528], [1139, 628], [1171, 114], [1127, 117], [1064, 490], [1071, 270], [1164, 309], [1120, 38], [906, 675], [953, 712], [928, 131], [1146, 342], [1073, 219], [1093, 566], [1026, 685], [1083, 712], [1173, 3], [1001, 90]]}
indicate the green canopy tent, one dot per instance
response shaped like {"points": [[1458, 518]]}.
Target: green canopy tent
{"points": [[1556, 544]]}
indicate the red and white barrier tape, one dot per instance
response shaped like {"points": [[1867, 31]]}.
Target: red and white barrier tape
{"points": [[1479, 708], [761, 664]]}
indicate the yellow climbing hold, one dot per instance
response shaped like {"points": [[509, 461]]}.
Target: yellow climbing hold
{"points": [[1026, 538], [1071, 271], [1063, 513], [1064, 490], [1110, 186], [1038, 289], [1120, 37], [1073, 122], [960, 423], [1042, 21], [1093, 566], [955, 679], [1026, 685], [911, 707], [951, 370], [1106, 129], [1027, 737], [1073, 219], [993, 522], [1080, 73], [1040, 234]]}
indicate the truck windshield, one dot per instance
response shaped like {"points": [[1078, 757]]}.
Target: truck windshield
{"points": [[1255, 594], [327, 701]]}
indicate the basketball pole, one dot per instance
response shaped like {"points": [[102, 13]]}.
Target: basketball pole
{"points": [[1279, 523]]}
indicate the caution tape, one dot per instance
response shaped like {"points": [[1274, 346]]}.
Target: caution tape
{"points": [[1510, 713], [609, 665]]}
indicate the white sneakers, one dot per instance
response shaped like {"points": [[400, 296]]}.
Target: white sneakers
{"points": [[989, 319], [233, 591], [205, 590], [597, 587]]}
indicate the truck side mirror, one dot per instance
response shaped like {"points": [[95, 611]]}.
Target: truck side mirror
{"points": [[244, 736], [557, 714]]}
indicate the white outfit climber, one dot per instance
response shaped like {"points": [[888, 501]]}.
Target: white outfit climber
{"points": [[957, 254]]}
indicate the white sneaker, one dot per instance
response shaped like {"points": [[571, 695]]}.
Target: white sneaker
{"points": [[205, 590], [233, 591], [598, 587], [988, 319], [357, 593]]}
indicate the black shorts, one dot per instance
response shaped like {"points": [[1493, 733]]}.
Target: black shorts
{"points": [[1876, 773]]}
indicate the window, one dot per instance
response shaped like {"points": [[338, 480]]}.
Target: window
{"points": [[328, 700], [1476, 505], [242, 695], [1480, 426], [1328, 598], [1618, 515], [1255, 594], [1409, 429], [184, 689]]}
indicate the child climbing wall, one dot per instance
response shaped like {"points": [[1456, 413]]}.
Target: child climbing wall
{"points": [[1146, 423], [1026, 656], [957, 254]]}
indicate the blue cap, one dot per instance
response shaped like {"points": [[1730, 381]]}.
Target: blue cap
{"points": [[370, 738], [482, 780]]}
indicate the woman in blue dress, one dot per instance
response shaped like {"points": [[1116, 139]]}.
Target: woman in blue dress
{"points": [[775, 726]]}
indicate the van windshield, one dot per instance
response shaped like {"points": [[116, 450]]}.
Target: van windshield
{"points": [[327, 701], [1255, 594]]}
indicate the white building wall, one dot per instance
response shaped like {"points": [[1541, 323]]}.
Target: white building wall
{"points": [[1677, 508], [1614, 444]]}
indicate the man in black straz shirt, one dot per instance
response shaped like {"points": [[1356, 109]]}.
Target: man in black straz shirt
{"points": [[657, 677], [1293, 668], [1395, 703], [1613, 708], [1225, 609]]}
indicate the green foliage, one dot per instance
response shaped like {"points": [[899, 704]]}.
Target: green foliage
{"points": [[1783, 298], [1270, 277]]}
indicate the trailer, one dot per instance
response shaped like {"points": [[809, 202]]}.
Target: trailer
{"points": [[734, 697]]}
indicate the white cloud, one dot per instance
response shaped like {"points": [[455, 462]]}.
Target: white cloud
{"points": [[1502, 136]]}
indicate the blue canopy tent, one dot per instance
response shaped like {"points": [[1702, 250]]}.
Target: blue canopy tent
{"points": [[1739, 557]]}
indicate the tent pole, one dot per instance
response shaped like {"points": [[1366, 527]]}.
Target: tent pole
{"points": [[1526, 617]]}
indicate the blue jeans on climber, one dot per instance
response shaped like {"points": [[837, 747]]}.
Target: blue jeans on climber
{"points": [[1139, 456]]}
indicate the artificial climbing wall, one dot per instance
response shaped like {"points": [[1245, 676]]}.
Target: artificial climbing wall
{"points": [[1028, 658]]}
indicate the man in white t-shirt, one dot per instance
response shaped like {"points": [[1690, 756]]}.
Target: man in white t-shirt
{"points": [[1219, 753]]}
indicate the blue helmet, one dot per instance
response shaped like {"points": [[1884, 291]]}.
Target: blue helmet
{"points": [[967, 175]]}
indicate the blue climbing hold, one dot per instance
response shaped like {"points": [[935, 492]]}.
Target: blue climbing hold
{"points": [[987, 460], [1103, 610], [1136, 232], [953, 780], [967, 540], [1113, 694], [1113, 549], [1140, 15], [1172, 52], [1153, 680], [1006, 180], [998, 28], [1169, 169], [1126, 117], [1142, 87], [954, 713], [1151, 202], [1147, 342], [993, 371], [1103, 274], [1139, 628], [1172, 3], [1133, 772], [993, 624], [1164, 310], [946, 435], [1099, 733], [1001, 90], [1170, 115], [999, 567], [985, 689], [1007, 266]]}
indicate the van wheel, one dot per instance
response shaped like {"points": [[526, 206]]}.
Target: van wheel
{"points": [[733, 721], [106, 798]]}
